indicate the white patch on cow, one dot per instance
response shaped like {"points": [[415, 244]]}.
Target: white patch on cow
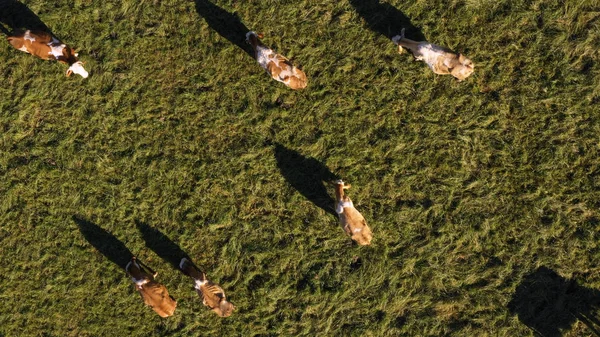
{"points": [[339, 208], [56, 50], [341, 204], [28, 36], [141, 282], [264, 56], [200, 283], [356, 230], [429, 53], [77, 68], [24, 49]]}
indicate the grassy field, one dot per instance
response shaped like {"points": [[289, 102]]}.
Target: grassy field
{"points": [[482, 195]]}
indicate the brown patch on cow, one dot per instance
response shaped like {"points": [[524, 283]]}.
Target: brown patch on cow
{"points": [[68, 56], [353, 223], [154, 294], [212, 294], [273, 69]]}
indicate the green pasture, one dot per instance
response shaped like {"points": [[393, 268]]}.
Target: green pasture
{"points": [[483, 195]]}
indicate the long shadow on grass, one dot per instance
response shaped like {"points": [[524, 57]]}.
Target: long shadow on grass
{"points": [[549, 303], [104, 242], [162, 245], [228, 25], [386, 19], [17, 16], [307, 176]]}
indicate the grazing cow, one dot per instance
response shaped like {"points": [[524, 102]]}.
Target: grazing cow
{"points": [[153, 293], [47, 47], [212, 295], [441, 60], [352, 221], [276, 65]]}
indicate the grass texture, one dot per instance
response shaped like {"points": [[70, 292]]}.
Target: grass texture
{"points": [[482, 195]]}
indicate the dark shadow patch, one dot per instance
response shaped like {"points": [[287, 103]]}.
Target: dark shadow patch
{"points": [[226, 24], [305, 283], [493, 261], [379, 315], [306, 175], [456, 325], [399, 322], [386, 19], [425, 203], [162, 245], [258, 281], [104, 242], [17, 16], [550, 304], [356, 263]]}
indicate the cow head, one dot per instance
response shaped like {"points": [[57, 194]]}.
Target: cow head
{"points": [[253, 38], [78, 69], [463, 68]]}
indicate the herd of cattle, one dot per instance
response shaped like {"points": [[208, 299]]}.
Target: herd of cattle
{"points": [[440, 60]]}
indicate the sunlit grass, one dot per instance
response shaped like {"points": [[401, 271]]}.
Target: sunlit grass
{"points": [[467, 186]]}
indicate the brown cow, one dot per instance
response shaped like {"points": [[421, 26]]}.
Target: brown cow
{"points": [[212, 295], [441, 60], [352, 221], [279, 67], [47, 47], [153, 293]]}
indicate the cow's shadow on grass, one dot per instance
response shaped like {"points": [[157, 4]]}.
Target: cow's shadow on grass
{"points": [[550, 304], [104, 242], [228, 25], [386, 19], [162, 245], [17, 16], [307, 175]]}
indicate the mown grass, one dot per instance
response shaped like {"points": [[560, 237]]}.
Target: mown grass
{"points": [[469, 187]]}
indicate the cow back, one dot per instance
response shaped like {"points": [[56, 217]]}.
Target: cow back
{"points": [[157, 296]]}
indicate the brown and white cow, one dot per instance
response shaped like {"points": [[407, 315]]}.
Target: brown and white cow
{"points": [[212, 295], [352, 221], [279, 67], [441, 60], [47, 47], [153, 293]]}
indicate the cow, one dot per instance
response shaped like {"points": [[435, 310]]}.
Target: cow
{"points": [[441, 60], [44, 45], [212, 295], [279, 67], [153, 293], [352, 221]]}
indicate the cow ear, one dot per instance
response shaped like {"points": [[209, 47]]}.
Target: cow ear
{"points": [[69, 72]]}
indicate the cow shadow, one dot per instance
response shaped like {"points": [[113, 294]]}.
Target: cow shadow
{"points": [[17, 16], [104, 242], [550, 304], [162, 245], [228, 25], [307, 175], [386, 19]]}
